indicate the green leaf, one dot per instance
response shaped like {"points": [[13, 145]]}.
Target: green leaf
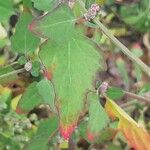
{"points": [[45, 130], [98, 118], [73, 65], [36, 67], [30, 99], [115, 93], [6, 9], [36, 94], [45, 5], [24, 41], [46, 90], [57, 25]]}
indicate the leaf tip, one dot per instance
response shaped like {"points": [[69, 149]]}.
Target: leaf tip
{"points": [[90, 136], [66, 131]]}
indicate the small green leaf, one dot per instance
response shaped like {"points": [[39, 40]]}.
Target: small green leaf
{"points": [[36, 67], [6, 9], [30, 98], [45, 5], [54, 24], [114, 92], [45, 130], [98, 118], [24, 41], [46, 90]]}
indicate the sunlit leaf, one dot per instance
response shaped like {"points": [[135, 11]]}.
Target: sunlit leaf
{"points": [[137, 137]]}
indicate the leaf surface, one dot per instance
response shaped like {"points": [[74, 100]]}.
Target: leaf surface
{"points": [[73, 66], [71, 59], [45, 5], [137, 137], [98, 118], [36, 94], [46, 90], [30, 99], [57, 25], [23, 40], [6, 10]]}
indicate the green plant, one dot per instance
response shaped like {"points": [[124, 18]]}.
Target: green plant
{"points": [[62, 62]]}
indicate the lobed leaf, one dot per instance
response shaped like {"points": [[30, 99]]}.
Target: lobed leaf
{"points": [[70, 59], [72, 65]]}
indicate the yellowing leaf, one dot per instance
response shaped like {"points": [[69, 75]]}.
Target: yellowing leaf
{"points": [[137, 137], [14, 102]]}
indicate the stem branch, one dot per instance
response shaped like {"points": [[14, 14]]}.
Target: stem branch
{"points": [[137, 97], [12, 73]]}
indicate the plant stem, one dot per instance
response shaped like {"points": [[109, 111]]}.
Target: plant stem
{"points": [[122, 47], [12, 73], [12, 64], [137, 97]]}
